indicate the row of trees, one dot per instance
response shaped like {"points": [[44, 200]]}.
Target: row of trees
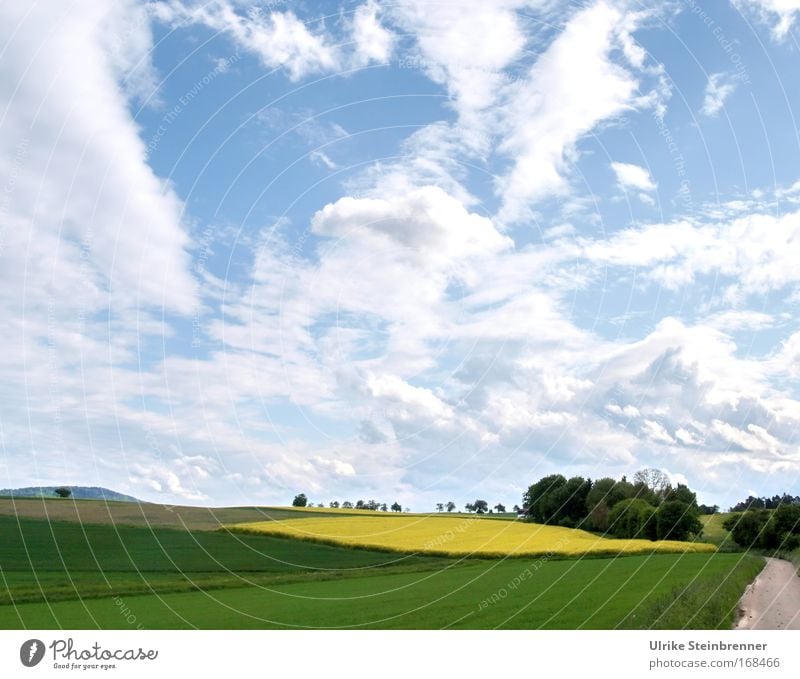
{"points": [[482, 507], [646, 507], [770, 529], [301, 500], [766, 502], [477, 507]]}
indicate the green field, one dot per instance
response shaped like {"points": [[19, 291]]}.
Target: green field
{"points": [[67, 574], [714, 532], [146, 513]]}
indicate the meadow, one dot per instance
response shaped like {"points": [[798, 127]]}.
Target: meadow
{"points": [[72, 574]]}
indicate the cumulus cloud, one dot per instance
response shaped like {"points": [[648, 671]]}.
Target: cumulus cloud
{"points": [[427, 223]]}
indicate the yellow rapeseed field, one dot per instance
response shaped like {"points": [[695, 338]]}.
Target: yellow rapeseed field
{"points": [[454, 536]]}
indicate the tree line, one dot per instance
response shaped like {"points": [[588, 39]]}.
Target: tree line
{"points": [[765, 502], [477, 507], [301, 500], [771, 529], [647, 507]]}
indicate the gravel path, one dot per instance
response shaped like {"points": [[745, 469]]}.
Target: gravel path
{"points": [[772, 600]]}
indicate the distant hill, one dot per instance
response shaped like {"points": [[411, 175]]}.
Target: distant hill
{"points": [[78, 492]]}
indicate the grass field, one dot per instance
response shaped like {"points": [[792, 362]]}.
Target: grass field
{"points": [[144, 513], [178, 516], [714, 532], [470, 536], [73, 575], [569, 594], [50, 561]]}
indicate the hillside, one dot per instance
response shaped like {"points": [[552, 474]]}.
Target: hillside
{"points": [[78, 492]]}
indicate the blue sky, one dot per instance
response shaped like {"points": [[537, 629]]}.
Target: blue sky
{"points": [[405, 251]]}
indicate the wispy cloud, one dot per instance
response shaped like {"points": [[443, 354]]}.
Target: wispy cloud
{"points": [[718, 88]]}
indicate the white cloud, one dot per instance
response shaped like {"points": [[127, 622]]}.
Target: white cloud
{"points": [[279, 39], [337, 467], [756, 252], [517, 93], [686, 437], [573, 86], [740, 320], [79, 168], [416, 345], [446, 34], [719, 87], [656, 431], [92, 243], [627, 411], [164, 480], [323, 159], [429, 225], [753, 439], [282, 40], [630, 176], [780, 13], [374, 43]]}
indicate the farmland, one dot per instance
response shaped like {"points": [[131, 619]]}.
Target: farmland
{"points": [[75, 574], [144, 513], [446, 536]]}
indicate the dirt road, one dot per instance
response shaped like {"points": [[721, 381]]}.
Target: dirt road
{"points": [[772, 601]]}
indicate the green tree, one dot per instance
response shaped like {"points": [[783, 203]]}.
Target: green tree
{"points": [[782, 528], [746, 531], [632, 518], [334, 505], [62, 491], [642, 491], [571, 501], [682, 493], [480, 506], [300, 500], [397, 507], [500, 508], [440, 506], [708, 509], [347, 504], [597, 518], [787, 519], [678, 521], [603, 495], [539, 498], [450, 506]]}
